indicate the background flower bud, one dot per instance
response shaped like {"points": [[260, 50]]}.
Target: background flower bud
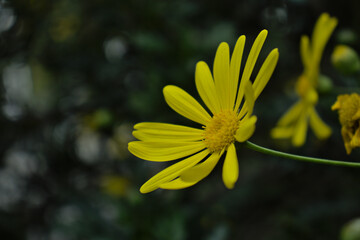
{"points": [[345, 59]]}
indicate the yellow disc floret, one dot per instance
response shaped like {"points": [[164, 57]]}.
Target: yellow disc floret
{"points": [[220, 131]]}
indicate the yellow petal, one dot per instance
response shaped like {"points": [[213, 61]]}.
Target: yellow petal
{"points": [[265, 72], [355, 141], [321, 129], [221, 74], [176, 184], [336, 105], [300, 130], [230, 172], [185, 105], [282, 132], [246, 129], [250, 63], [305, 52], [292, 114], [163, 132], [164, 151], [318, 29], [249, 101], [206, 87], [165, 127], [165, 136], [235, 65], [172, 172], [356, 115], [347, 136], [322, 32], [201, 170]]}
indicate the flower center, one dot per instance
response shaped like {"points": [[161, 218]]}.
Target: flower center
{"points": [[220, 131]]}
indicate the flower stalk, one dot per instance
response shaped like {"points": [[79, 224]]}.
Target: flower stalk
{"points": [[272, 152]]}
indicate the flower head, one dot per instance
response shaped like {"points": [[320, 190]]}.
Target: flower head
{"points": [[294, 123], [348, 107], [230, 103]]}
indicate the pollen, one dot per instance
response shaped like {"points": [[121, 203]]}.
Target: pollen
{"points": [[221, 129]]}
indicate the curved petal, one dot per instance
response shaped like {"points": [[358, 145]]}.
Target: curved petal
{"points": [[300, 130], [250, 63], [163, 132], [172, 172], [176, 184], [265, 72], [291, 114], [164, 151], [235, 65], [246, 129], [200, 171], [184, 104], [221, 74], [321, 129], [206, 87], [230, 172]]}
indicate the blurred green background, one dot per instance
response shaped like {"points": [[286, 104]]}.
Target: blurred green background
{"points": [[77, 75]]}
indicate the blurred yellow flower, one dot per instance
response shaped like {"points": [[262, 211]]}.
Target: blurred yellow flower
{"points": [[294, 123], [114, 185], [201, 149], [348, 107]]}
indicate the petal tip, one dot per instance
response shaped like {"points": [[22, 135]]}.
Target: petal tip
{"points": [[264, 32], [144, 190]]}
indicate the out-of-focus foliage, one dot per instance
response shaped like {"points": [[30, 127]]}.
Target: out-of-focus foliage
{"points": [[76, 76], [351, 230]]}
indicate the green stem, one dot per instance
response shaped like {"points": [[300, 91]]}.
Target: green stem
{"points": [[258, 148]]}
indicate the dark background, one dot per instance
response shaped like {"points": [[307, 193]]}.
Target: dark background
{"points": [[77, 75]]}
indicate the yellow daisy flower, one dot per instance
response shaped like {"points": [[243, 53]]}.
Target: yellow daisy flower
{"points": [[294, 123], [230, 120], [349, 117]]}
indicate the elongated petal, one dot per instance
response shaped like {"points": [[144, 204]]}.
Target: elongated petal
{"points": [[221, 74], [250, 63], [165, 127], [249, 101], [176, 184], [166, 136], [201, 170], [246, 129], [292, 114], [235, 65], [321, 34], [305, 52], [164, 151], [164, 132], [265, 72], [230, 172], [184, 104], [300, 130], [206, 87], [172, 172], [321, 129], [282, 132], [319, 25]]}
